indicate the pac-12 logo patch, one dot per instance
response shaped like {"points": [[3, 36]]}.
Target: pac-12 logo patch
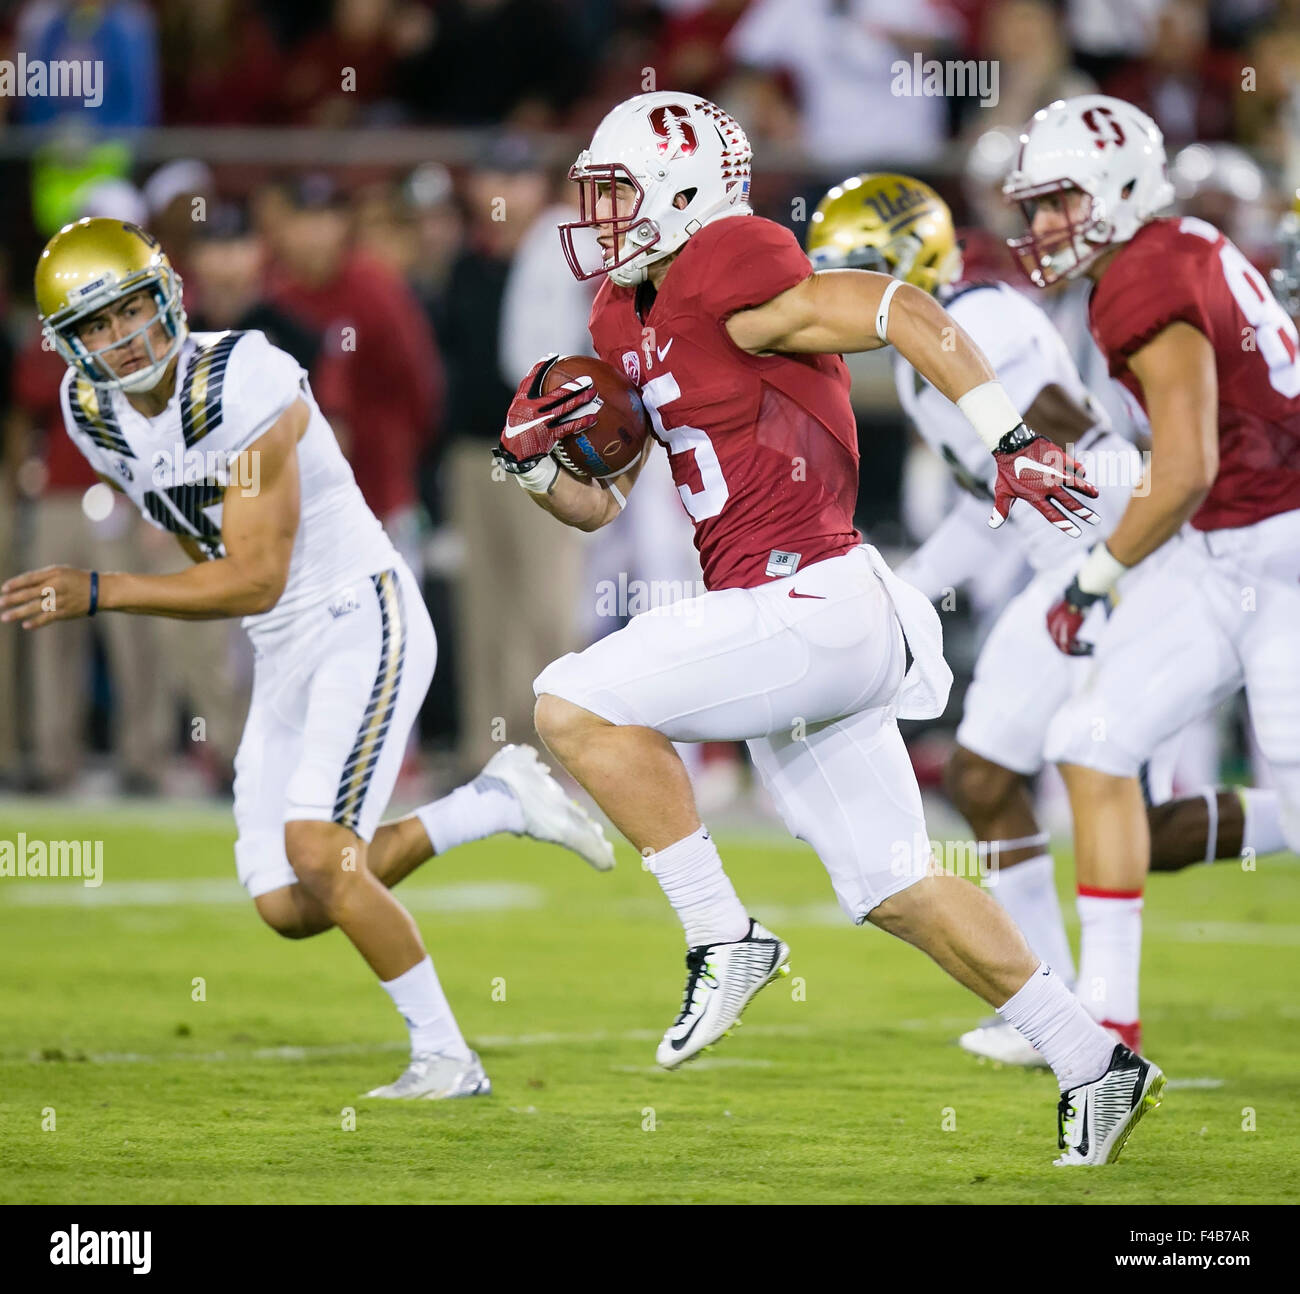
{"points": [[632, 366]]}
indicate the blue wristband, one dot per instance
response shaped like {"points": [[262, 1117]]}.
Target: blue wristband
{"points": [[94, 593]]}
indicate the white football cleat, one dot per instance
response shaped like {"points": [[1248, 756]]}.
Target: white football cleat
{"points": [[1002, 1042], [433, 1076], [721, 979], [1094, 1120], [549, 814]]}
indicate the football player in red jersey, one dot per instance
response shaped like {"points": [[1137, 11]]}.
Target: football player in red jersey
{"points": [[799, 646], [1190, 328]]}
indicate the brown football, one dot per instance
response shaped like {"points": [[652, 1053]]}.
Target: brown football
{"points": [[614, 443]]}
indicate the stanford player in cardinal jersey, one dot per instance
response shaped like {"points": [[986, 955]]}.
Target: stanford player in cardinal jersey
{"points": [[799, 648], [1190, 328]]}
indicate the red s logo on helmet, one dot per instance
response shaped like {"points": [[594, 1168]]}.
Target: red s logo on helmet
{"points": [[1107, 130], [673, 130]]}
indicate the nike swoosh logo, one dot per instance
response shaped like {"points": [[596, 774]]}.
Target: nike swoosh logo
{"points": [[512, 432], [1022, 462], [663, 350], [678, 1043], [793, 594]]}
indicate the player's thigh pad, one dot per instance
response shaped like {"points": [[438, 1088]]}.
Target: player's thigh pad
{"points": [[1021, 680], [268, 753], [741, 663], [1161, 660], [331, 712], [363, 699], [848, 789]]}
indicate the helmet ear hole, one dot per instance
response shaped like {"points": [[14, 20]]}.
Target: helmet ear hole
{"points": [[684, 199]]}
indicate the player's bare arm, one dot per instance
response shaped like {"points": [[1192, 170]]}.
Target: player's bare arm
{"points": [[589, 505], [257, 532], [838, 311], [1180, 384]]}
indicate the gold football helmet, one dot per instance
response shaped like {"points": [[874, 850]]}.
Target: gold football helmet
{"points": [[890, 223], [89, 265]]}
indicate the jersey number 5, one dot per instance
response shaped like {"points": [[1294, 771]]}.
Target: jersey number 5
{"points": [[712, 495]]}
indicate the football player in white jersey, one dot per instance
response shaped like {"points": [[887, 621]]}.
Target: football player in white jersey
{"points": [[898, 225], [216, 437]]}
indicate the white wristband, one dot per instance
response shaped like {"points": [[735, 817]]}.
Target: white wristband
{"points": [[882, 310], [1100, 571], [989, 410], [539, 478]]}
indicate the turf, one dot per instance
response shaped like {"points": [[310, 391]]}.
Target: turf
{"points": [[842, 1085]]}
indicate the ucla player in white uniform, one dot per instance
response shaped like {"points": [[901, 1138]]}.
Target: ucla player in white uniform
{"points": [[216, 437], [897, 225]]}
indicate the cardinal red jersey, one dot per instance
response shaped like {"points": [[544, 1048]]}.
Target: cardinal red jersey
{"points": [[764, 450], [1185, 269]]}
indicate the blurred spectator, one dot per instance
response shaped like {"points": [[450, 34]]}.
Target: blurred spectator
{"points": [[987, 161], [117, 37], [1105, 35], [439, 232], [379, 375], [385, 227], [1221, 183], [1187, 86], [1269, 109], [228, 266], [115, 198], [178, 196], [343, 73], [692, 45], [220, 65], [55, 477], [519, 569], [1028, 42], [485, 62], [839, 56]]}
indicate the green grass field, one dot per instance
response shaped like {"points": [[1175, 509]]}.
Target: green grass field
{"points": [[840, 1097]]}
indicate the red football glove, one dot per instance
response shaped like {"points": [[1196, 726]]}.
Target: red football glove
{"points": [[1030, 467], [1065, 619], [535, 422]]}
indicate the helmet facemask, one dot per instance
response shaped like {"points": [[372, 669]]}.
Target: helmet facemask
{"points": [[164, 286], [1068, 249], [633, 236]]}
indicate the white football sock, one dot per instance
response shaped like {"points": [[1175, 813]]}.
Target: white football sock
{"points": [[419, 999], [479, 808], [1028, 893], [1053, 1019], [1110, 952], [1262, 827], [691, 875]]}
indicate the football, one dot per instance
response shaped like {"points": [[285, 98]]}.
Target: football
{"points": [[614, 443]]}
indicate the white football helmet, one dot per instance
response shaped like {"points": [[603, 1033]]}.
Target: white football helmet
{"points": [[663, 145], [1104, 148]]}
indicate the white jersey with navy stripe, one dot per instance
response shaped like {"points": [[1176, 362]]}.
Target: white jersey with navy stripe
{"points": [[1028, 354], [230, 389]]}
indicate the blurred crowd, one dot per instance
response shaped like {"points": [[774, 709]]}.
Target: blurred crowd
{"points": [[416, 298]]}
